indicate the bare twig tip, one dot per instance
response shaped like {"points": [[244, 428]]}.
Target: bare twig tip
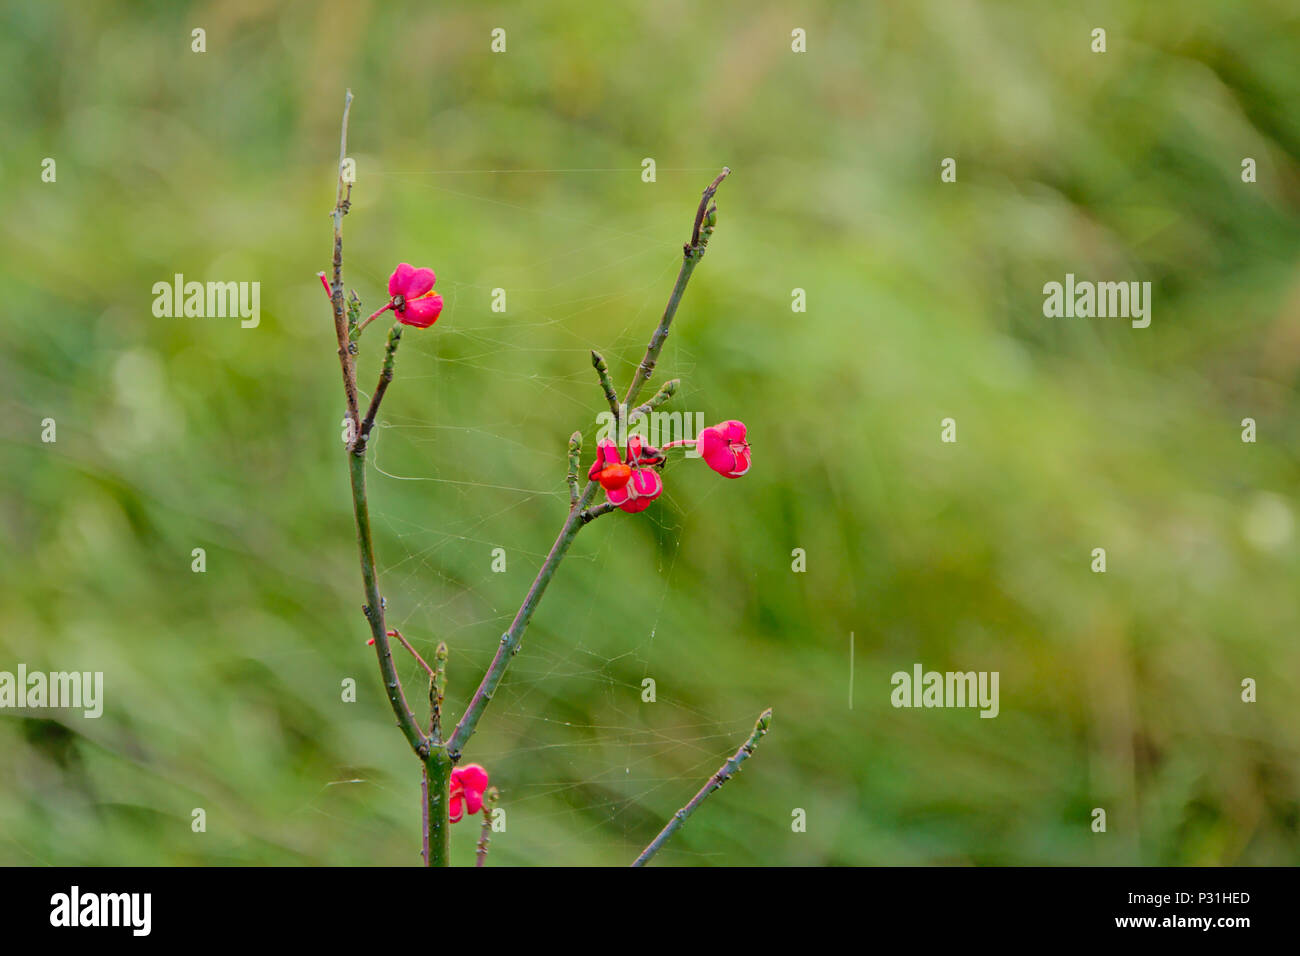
{"points": [[725, 773]]}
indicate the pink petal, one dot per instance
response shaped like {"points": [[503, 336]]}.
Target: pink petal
{"points": [[410, 282], [472, 777], [647, 483], [456, 809], [742, 463], [421, 313], [645, 487], [606, 454], [733, 431], [715, 450], [633, 505], [398, 280], [419, 283]]}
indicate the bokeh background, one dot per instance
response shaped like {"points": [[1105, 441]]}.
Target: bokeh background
{"points": [[522, 171]]}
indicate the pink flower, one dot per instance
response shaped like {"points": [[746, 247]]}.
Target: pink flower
{"points": [[724, 448], [642, 454], [467, 785], [644, 487], [412, 297], [631, 483]]}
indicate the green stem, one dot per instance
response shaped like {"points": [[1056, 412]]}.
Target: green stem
{"points": [[374, 610], [354, 314], [692, 253], [424, 814], [437, 693], [606, 383], [341, 202], [511, 639], [591, 514], [381, 389], [725, 773], [437, 765], [575, 460], [485, 830], [360, 327], [647, 366], [437, 809]]}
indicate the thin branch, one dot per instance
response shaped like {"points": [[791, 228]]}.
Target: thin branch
{"points": [[414, 653], [484, 835], [510, 640], [374, 611], [591, 514], [725, 773], [359, 327], [341, 330], [374, 606], [437, 692], [485, 831], [579, 515], [704, 209], [692, 252], [354, 308], [575, 460], [436, 779], [606, 383], [385, 379]]}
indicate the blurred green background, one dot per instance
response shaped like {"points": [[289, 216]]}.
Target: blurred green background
{"points": [[522, 171]]}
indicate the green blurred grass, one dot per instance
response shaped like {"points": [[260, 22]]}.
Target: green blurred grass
{"points": [[1119, 691]]}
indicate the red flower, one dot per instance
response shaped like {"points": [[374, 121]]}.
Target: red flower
{"points": [[724, 448], [412, 297], [467, 784], [632, 483]]}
